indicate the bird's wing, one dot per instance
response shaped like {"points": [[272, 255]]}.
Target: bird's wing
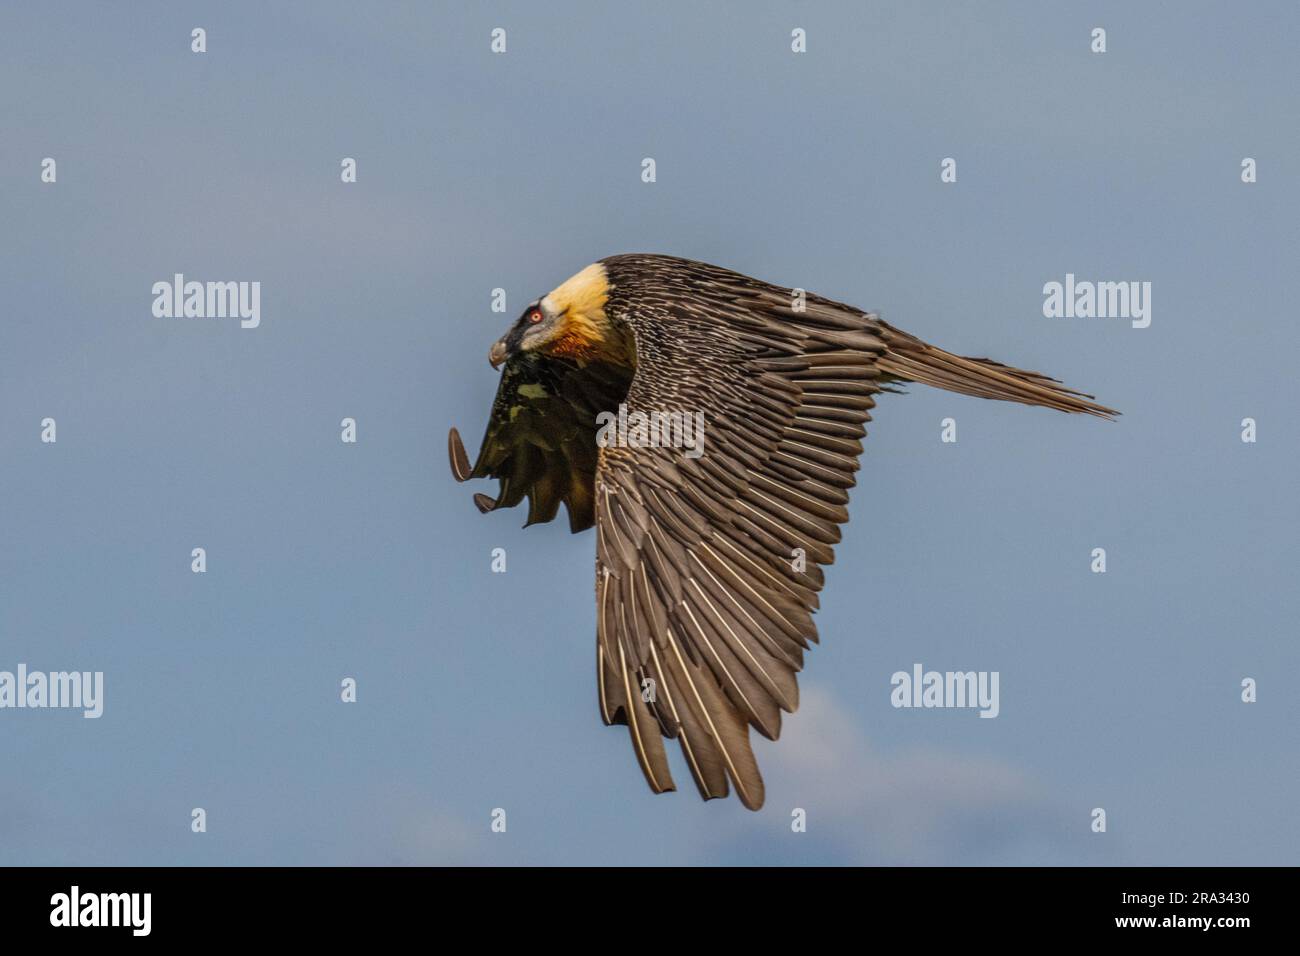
{"points": [[540, 439], [708, 568]]}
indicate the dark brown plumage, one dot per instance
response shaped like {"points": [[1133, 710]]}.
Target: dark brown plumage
{"points": [[703, 608]]}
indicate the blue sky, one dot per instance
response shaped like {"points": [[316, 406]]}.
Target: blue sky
{"points": [[476, 171]]}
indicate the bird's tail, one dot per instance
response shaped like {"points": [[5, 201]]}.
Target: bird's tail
{"points": [[909, 359]]}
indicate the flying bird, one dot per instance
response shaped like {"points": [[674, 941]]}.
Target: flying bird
{"points": [[708, 565]]}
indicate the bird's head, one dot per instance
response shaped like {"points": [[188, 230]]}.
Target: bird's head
{"points": [[568, 322]]}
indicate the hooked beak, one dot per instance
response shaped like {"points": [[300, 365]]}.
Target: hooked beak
{"points": [[497, 354]]}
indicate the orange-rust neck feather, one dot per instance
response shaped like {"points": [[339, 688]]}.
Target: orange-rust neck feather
{"points": [[585, 331]]}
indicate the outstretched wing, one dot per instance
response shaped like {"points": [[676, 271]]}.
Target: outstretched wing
{"points": [[708, 568], [541, 437]]}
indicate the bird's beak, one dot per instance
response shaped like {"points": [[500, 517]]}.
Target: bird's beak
{"points": [[497, 354]]}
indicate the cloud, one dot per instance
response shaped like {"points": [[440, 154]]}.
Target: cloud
{"points": [[917, 807], [399, 826]]}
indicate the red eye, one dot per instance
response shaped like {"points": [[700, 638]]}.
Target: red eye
{"points": [[534, 316]]}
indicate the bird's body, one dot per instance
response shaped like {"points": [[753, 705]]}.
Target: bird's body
{"points": [[708, 565]]}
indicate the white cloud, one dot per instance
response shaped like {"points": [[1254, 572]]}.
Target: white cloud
{"points": [[923, 807]]}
